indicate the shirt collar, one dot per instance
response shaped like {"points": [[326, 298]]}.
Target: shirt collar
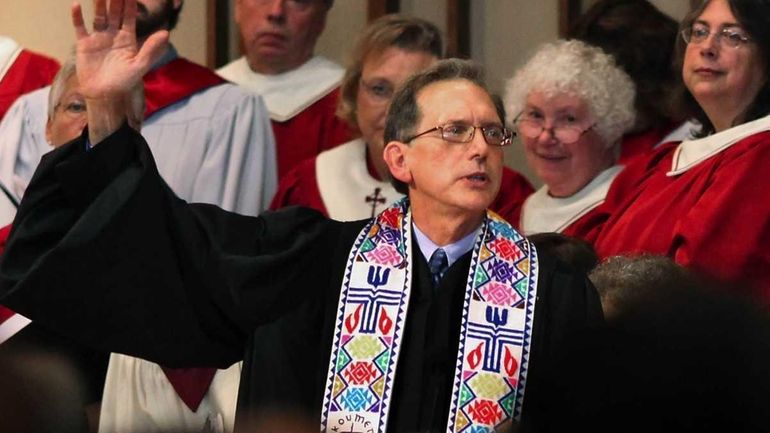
{"points": [[453, 251], [289, 93], [543, 213], [692, 152]]}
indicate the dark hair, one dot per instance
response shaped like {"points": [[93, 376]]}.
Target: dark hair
{"points": [[404, 113], [626, 282], [173, 16], [658, 365], [407, 33], [641, 39], [571, 250], [752, 15]]}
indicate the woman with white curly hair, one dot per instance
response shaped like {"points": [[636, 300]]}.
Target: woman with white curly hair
{"points": [[570, 104]]}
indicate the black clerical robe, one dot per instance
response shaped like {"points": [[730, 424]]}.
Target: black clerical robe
{"points": [[104, 251]]}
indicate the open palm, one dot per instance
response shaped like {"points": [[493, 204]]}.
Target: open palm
{"points": [[109, 62]]}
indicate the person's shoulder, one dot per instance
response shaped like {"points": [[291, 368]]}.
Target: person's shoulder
{"points": [[225, 96], [33, 102], [213, 104]]}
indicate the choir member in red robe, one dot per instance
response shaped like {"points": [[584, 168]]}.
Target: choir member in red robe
{"points": [[351, 182], [286, 270], [571, 104], [704, 202], [21, 71]]}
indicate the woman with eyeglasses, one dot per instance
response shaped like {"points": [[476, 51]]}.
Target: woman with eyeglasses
{"points": [[352, 181], [705, 202], [570, 105]]}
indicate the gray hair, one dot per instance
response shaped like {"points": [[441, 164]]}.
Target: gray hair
{"points": [[576, 68], [68, 69], [626, 282]]}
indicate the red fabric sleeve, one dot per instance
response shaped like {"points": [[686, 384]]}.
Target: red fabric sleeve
{"points": [[30, 71], [299, 187], [309, 133]]}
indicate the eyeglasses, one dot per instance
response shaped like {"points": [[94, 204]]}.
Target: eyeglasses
{"points": [[730, 37], [494, 135], [566, 133]]}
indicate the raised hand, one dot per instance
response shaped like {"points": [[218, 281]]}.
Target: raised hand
{"points": [[110, 63]]}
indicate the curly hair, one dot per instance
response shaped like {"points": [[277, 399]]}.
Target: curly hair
{"points": [[576, 68]]}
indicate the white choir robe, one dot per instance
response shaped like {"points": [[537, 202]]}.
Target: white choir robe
{"points": [[237, 174], [214, 147]]}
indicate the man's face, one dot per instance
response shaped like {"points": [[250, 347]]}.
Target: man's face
{"points": [[69, 115], [279, 35], [454, 179], [153, 15]]}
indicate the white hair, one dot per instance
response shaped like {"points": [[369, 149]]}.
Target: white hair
{"points": [[57, 87], [576, 68]]}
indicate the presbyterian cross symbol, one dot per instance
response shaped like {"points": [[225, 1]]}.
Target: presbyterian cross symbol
{"points": [[375, 199]]}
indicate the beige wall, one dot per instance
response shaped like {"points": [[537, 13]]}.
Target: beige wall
{"points": [[44, 26]]}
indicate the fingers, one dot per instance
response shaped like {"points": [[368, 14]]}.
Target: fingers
{"points": [[115, 14], [100, 23], [100, 9], [129, 16], [152, 49], [77, 21]]}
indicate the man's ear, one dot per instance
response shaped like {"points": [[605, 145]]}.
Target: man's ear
{"points": [[396, 157]]}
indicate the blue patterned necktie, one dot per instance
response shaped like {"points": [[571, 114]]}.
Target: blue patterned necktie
{"points": [[437, 264]]}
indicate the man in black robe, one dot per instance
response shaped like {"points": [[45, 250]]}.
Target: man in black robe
{"points": [[104, 251]]}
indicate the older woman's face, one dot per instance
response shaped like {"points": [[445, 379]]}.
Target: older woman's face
{"points": [[69, 115], [724, 80], [565, 167], [381, 76]]}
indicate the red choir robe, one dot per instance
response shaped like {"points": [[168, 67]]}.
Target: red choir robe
{"points": [[703, 203], [638, 144], [313, 130], [29, 71], [302, 105], [162, 86], [301, 187]]}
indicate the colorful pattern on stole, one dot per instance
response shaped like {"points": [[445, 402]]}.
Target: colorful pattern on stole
{"points": [[496, 329]]}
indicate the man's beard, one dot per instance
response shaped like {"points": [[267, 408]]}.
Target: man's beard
{"points": [[147, 23]]}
